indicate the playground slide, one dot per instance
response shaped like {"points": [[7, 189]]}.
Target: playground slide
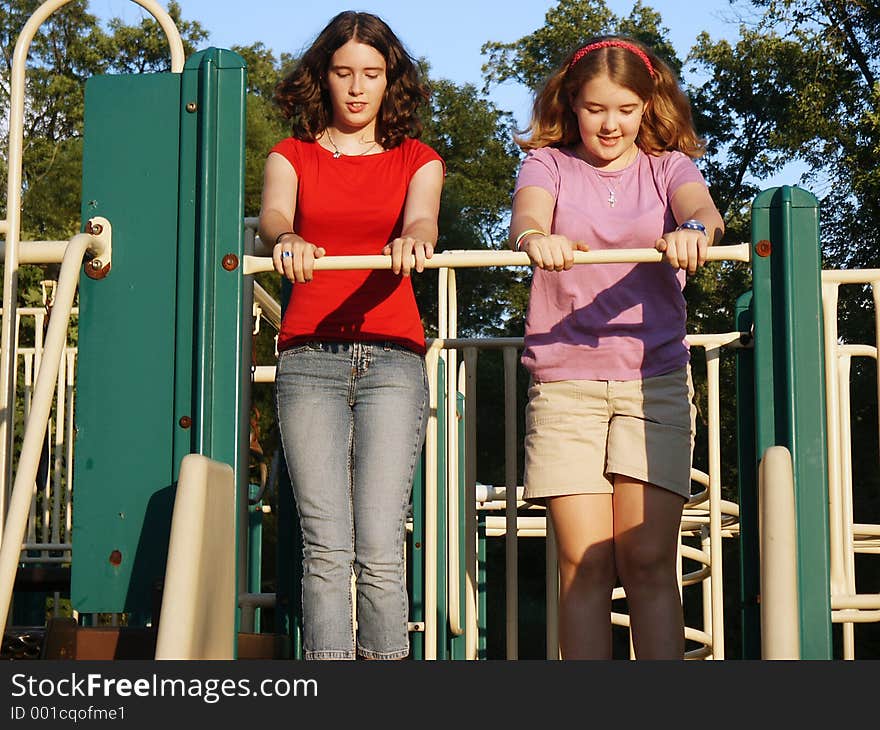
{"points": [[197, 619]]}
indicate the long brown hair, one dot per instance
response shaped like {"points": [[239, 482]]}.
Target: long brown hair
{"points": [[304, 99], [667, 123]]}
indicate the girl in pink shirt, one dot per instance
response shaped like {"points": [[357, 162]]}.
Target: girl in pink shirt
{"points": [[609, 424]]}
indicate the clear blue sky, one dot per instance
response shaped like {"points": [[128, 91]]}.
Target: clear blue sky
{"points": [[449, 33]]}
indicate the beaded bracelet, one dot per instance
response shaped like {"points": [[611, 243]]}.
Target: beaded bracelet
{"points": [[281, 235], [527, 232]]}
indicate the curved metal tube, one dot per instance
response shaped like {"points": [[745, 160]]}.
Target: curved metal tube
{"points": [[453, 562], [41, 405]]}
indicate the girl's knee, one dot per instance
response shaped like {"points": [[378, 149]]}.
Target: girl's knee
{"points": [[594, 570], [641, 563]]}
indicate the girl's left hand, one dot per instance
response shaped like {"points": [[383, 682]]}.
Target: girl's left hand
{"points": [[684, 249], [402, 251]]}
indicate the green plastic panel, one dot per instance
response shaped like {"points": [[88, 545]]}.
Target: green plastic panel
{"points": [[165, 338], [789, 375], [123, 473]]}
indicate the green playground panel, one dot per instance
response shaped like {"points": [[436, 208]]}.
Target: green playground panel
{"points": [[789, 388], [164, 345]]}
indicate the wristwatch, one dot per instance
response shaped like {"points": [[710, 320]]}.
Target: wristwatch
{"points": [[692, 225]]}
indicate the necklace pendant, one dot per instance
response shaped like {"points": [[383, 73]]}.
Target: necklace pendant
{"points": [[337, 155], [611, 198]]}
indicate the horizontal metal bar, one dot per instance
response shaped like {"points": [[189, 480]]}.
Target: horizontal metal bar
{"points": [[475, 259], [38, 252]]}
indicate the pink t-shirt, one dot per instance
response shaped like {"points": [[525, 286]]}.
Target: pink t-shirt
{"points": [[607, 321]]}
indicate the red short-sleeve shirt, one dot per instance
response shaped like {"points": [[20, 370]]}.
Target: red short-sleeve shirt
{"points": [[352, 206]]}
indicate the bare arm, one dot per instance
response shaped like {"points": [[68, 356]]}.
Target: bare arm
{"points": [[533, 212], [277, 210], [686, 249], [419, 232]]}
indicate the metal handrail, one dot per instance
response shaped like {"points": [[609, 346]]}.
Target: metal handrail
{"points": [[453, 531], [56, 339], [491, 257]]}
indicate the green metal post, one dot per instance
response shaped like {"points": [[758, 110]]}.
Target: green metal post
{"points": [[750, 574], [215, 81], [255, 548], [790, 385]]}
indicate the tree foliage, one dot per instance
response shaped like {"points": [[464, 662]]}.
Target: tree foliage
{"points": [[474, 139], [567, 25]]}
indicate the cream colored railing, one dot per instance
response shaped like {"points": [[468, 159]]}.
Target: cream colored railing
{"points": [[847, 536], [707, 517], [98, 245], [50, 515]]}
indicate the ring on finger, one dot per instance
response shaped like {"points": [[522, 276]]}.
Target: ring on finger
{"points": [[286, 254]]}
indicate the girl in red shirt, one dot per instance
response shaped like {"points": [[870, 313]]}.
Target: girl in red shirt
{"points": [[351, 387]]}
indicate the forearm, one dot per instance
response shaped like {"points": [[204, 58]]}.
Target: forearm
{"points": [[421, 229], [713, 222], [521, 223], [272, 224], [710, 218], [532, 212]]}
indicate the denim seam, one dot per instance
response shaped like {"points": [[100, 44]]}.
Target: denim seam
{"points": [[351, 480], [417, 445], [299, 517]]}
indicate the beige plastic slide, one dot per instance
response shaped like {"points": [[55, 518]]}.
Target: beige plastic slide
{"points": [[197, 619]]}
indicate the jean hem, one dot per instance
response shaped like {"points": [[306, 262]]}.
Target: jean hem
{"points": [[331, 654], [383, 655]]}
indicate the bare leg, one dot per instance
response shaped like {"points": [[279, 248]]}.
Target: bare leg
{"points": [[647, 520], [583, 524]]}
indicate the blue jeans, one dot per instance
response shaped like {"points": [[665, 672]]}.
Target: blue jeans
{"points": [[352, 417]]}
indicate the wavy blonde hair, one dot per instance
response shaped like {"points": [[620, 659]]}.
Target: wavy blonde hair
{"points": [[666, 125]]}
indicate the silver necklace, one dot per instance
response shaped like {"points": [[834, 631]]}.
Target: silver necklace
{"points": [[337, 153], [612, 190]]}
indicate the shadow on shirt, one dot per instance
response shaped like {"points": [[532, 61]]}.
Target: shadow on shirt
{"points": [[621, 310]]}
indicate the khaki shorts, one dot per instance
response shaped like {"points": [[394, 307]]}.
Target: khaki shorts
{"points": [[579, 433]]}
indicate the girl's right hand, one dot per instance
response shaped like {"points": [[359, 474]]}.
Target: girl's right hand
{"points": [[552, 253], [294, 257]]}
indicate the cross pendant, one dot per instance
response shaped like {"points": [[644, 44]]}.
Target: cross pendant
{"points": [[611, 198]]}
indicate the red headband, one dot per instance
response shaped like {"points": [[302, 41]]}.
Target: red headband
{"points": [[617, 44]]}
